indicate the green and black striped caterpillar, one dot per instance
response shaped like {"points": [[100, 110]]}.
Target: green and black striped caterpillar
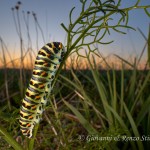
{"points": [[33, 104]]}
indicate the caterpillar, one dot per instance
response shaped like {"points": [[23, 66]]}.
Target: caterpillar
{"points": [[33, 104]]}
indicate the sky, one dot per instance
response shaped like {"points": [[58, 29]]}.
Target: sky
{"points": [[51, 14]]}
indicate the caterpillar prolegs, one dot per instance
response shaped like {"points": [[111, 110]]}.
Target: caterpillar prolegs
{"points": [[46, 65]]}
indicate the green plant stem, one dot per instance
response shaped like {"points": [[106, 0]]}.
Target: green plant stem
{"points": [[86, 30], [32, 140], [136, 7], [122, 91]]}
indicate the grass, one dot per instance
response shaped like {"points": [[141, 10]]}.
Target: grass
{"points": [[75, 111], [89, 109]]}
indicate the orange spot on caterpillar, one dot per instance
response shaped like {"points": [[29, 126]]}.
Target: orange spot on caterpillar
{"points": [[60, 45], [34, 107], [37, 97], [30, 117], [28, 125], [44, 74], [41, 86]]}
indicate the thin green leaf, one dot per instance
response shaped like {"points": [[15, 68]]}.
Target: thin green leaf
{"points": [[122, 91], [146, 11], [114, 100], [148, 47], [9, 139], [102, 92], [70, 15], [82, 120], [134, 127], [124, 61], [65, 28], [140, 92], [123, 125], [144, 110]]}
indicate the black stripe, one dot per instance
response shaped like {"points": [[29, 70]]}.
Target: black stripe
{"points": [[29, 101], [41, 68], [46, 59], [47, 50], [56, 44], [42, 80], [25, 128], [21, 119], [27, 111], [33, 90]]}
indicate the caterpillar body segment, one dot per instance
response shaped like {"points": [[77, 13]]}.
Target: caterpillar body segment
{"points": [[33, 104]]}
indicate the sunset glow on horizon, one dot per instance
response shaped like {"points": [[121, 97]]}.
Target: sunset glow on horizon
{"points": [[82, 63]]}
